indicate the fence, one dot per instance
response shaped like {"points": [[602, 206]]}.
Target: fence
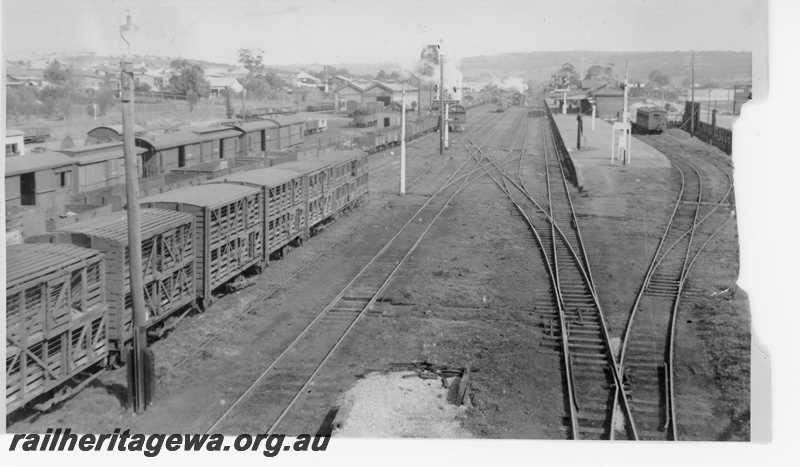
{"points": [[561, 148], [707, 132]]}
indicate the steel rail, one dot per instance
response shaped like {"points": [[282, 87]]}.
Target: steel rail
{"points": [[339, 296]]}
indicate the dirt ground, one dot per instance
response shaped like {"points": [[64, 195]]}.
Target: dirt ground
{"points": [[465, 299]]}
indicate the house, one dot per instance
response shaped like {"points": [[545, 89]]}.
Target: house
{"points": [[221, 83], [151, 78], [17, 76], [15, 142], [303, 79]]}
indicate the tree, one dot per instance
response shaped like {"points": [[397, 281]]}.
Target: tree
{"points": [[187, 76], [381, 76], [258, 87], [192, 97], [55, 73], [141, 87], [228, 94], [21, 101], [658, 78], [253, 60]]}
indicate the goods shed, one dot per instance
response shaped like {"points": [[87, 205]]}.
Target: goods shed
{"points": [[99, 165], [228, 230], [42, 179], [55, 317], [167, 264], [348, 98]]}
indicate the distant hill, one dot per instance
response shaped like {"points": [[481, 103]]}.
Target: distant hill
{"points": [[717, 66]]}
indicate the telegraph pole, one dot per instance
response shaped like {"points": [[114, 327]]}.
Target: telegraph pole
{"points": [[692, 63], [441, 102], [403, 142], [138, 380]]}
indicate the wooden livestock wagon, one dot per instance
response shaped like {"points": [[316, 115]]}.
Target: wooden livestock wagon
{"points": [[318, 184], [55, 318], [285, 204], [168, 257], [350, 172], [228, 230]]}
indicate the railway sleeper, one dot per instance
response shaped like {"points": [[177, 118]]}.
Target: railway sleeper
{"points": [[597, 417]]}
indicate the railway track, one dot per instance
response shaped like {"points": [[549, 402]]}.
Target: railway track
{"points": [[647, 357], [324, 245], [289, 377], [569, 299]]}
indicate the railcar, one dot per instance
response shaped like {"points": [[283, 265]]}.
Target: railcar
{"points": [[651, 120], [501, 106], [56, 320]]}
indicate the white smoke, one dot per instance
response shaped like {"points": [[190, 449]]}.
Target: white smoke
{"points": [[453, 78], [512, 83]]}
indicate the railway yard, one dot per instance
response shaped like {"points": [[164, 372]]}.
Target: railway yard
{"points": [[572, 298]]}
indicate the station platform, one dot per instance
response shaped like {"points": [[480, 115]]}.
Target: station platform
{"points": [[596, 174]]}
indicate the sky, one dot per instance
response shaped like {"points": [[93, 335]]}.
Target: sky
{"points": [[362, 31]]}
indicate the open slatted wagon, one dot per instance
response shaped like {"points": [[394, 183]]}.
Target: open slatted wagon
{"points": [[55, 319], [228, 230], [168, 259], [350, 178], [285, 202], [318, 183]]}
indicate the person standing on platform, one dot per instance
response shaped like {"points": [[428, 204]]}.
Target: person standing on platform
{"points": [[580, 130]]}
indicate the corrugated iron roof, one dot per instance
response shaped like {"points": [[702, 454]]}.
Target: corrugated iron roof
{"points": [[255, 125], [286, 121], [30, 262], [36, 161], [305, 167], [118, 129], [267, 177], [114, 227], [209, 196], [14, 132], [98, 152], [171, 140], [215, 132]]}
